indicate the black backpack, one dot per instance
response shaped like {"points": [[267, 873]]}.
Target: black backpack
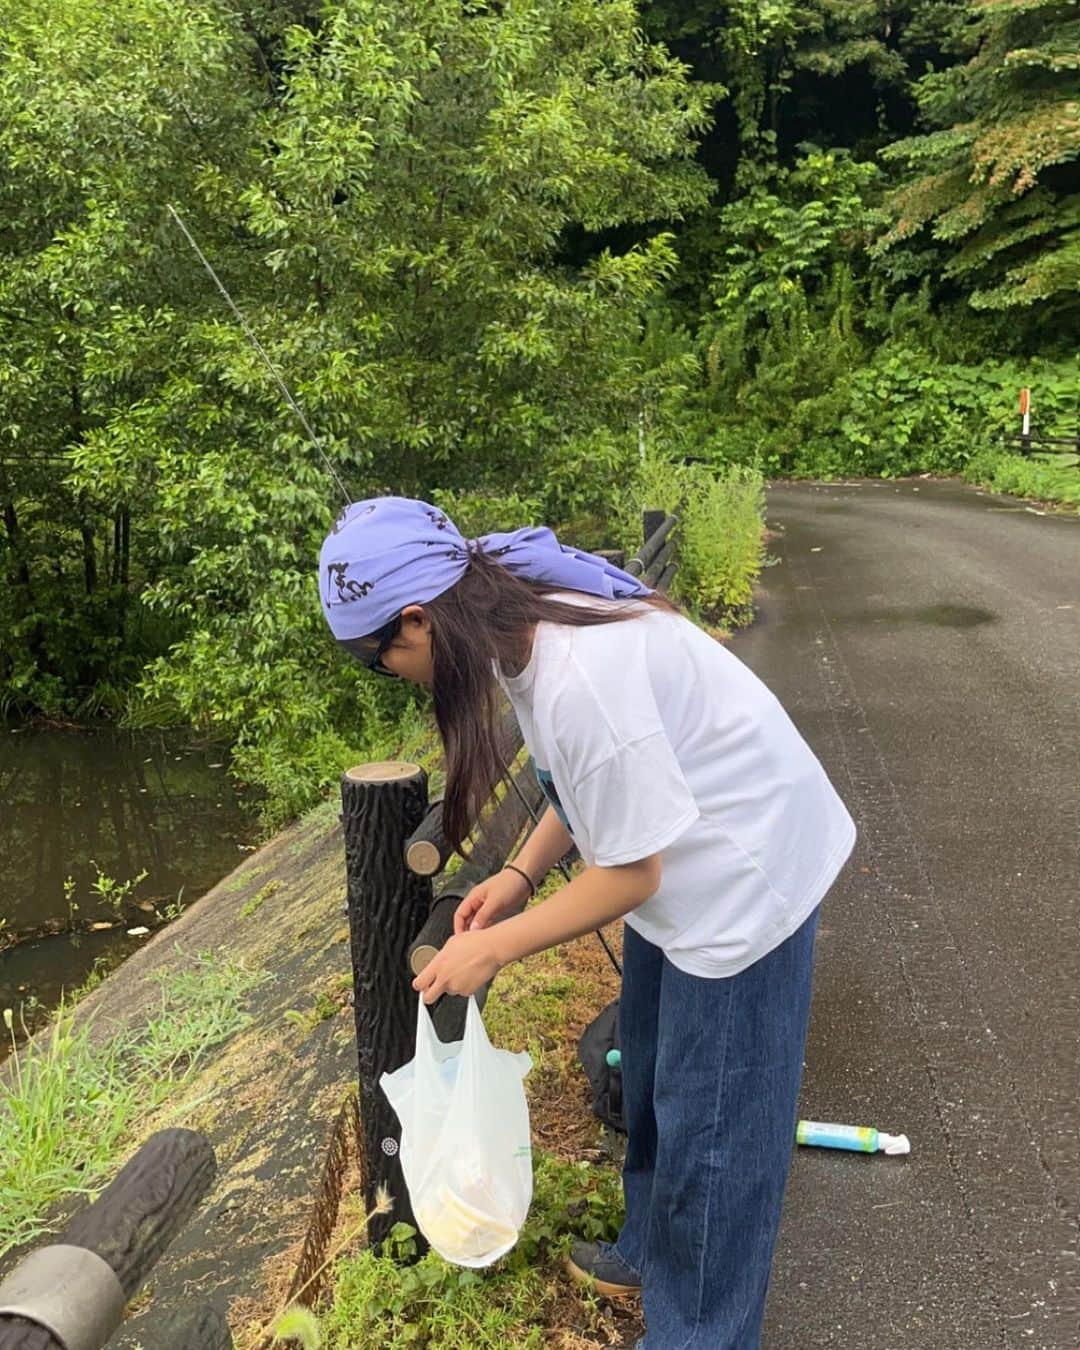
{"points": [[598, 1038]]}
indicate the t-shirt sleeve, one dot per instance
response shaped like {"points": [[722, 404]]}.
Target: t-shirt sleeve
{"points": [[636, 802], [628, 788]]}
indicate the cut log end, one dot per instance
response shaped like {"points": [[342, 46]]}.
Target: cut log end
{"points": [[421, 956], [382, 771], [423, 858]]}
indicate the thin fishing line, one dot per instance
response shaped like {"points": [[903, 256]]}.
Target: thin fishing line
{"points": [[259, 348], [564, 870]]}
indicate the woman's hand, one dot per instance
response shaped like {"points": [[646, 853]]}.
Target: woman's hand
{"points": [[466, 962], [504, 893]]}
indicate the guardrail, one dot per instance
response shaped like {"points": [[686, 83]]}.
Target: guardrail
{"points": [[1028, 437], [1027, 441]]}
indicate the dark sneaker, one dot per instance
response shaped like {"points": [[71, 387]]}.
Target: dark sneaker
{"points": [[599, 1264]]}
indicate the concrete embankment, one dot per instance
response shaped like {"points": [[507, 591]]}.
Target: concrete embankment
{"points": [[266, 1098]]}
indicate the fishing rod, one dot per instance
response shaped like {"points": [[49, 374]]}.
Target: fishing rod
{"points": [[330, 470], [259, 348]]}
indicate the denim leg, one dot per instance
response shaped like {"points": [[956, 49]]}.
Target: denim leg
{"points": [[728, 1065], [639, 1010]]}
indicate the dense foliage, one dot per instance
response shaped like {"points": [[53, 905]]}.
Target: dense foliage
{"points": [[383, 189], [524, 259], [993, 177]]}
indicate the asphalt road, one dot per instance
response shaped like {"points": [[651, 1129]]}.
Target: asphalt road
{"points": [[926, 639]]}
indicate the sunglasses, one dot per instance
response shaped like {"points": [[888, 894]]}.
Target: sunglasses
{"points": [[368, 650]]}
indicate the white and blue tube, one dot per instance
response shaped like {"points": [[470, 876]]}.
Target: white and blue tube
{"points": [[858, 1138]]}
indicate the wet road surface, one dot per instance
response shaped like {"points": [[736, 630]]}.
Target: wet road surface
{"points": [[925, 637]]}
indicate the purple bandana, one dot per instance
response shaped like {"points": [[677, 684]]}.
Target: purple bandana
{"points": [[390, 552]]}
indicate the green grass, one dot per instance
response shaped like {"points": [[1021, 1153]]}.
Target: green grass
{"points": [[240, 879], [253, 905], [1045, 478], [381, 1304], [719, 548], [324, 1008], [70, 1109]]}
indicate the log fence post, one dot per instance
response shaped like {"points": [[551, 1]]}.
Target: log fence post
{"points": [[382, 805], [651, 521]]}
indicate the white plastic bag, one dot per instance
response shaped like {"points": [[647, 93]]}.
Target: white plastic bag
{"points": [[465, 1144]]}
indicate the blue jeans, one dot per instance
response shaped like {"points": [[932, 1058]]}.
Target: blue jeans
{"points": [[710, 1071]]}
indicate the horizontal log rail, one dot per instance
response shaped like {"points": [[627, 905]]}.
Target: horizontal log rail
{"points": [[71, 1294], [637, 565], [659, 564], [1037, 438], [668, 577], [427, 850]]}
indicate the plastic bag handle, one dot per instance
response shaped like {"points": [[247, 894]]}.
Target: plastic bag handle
{"points": [[475, 1031], [426, 1037]]}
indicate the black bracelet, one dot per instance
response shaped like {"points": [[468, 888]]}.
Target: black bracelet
{"points": [[509, 867]]}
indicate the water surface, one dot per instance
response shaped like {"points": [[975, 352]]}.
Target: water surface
{"points": [[75, 805]]}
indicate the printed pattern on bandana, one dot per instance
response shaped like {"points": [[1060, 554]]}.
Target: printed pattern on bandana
{"points": [[347, 589]]}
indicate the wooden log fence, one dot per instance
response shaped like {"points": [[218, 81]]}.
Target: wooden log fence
{"points": [[71, 1294], [427, 850], [394, 845], [1029, 441]]}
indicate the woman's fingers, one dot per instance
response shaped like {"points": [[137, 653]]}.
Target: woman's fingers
{"points": [[487, 913], [463, 965], [465, 911], [430, 982]]}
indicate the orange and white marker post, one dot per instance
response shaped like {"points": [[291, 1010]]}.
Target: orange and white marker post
{"points": [[1025, 421]]}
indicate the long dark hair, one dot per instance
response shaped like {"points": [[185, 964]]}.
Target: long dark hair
{"points": [[486, 617]]}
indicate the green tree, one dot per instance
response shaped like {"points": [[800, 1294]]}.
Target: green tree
{"points": [[103, 111], [389, 191], [833, 72], [419, 173], [992, 181]]}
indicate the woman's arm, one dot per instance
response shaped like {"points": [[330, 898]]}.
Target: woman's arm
{"points": [[594, 898], [549, 842], [591, 900]]}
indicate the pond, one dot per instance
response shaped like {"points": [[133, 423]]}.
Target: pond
{"points": [[82, 814]]}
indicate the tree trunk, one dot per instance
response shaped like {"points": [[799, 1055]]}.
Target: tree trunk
{"points": [[89, 556], [19, 572], [86, 529], [125, 542], [114, 570]]}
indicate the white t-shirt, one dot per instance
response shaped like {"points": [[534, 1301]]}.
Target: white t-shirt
{"points": [[653, 738]]}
